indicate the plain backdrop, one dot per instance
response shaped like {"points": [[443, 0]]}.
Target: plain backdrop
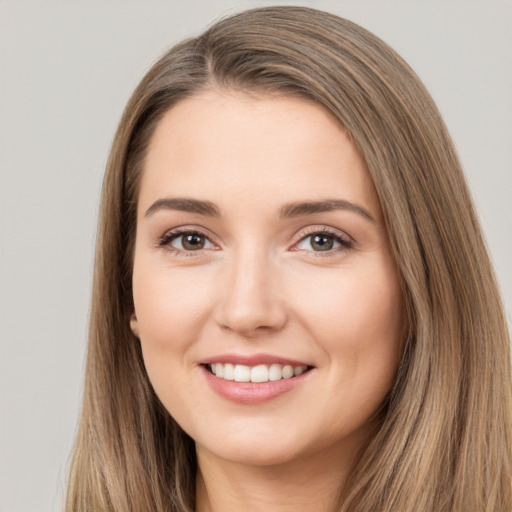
{"points": [[66, 70]]}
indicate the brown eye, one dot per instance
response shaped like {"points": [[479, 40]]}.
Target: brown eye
{"points": [[188, 241], [319, 242], [322, 242], [193, 242]]}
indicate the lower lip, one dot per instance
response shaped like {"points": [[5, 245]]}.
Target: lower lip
{"points": [[251, 393]]}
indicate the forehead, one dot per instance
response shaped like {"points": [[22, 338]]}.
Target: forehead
{"points": [[222, 145]]}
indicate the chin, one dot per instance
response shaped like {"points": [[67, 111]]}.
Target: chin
{"points": [[254, 454], [258, 447]]}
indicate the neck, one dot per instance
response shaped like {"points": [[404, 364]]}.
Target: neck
{"points": [[311, 483]]}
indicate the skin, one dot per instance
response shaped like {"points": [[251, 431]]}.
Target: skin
{"points": [[259, 285]]}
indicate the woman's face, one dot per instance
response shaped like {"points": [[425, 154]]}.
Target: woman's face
{"points": [[261, 253]]}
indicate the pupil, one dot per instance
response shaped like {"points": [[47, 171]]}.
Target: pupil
{"points": [[193, 242], [322, 242]]}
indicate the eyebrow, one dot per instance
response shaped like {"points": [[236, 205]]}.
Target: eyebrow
{"points": [[299, 208], [184, 205], [295, 209]]}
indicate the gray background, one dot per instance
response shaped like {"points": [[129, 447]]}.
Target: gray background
{"points": [[66, 71]]}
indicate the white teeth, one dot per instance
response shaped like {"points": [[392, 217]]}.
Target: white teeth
{"points": [[298, 370], [242, 373], [229, 371], [275, 372], [288, 372], [259, 373]]}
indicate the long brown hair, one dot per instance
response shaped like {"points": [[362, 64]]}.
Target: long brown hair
{"points": [[443, 443]]}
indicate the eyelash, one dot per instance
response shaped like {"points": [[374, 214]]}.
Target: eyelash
{"points": [[346, 242], [170, 236]]}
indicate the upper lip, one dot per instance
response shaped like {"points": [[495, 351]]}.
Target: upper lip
{"points": [[252, 360]]}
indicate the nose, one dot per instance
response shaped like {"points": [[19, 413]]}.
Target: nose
{"points": [[251, 299]]}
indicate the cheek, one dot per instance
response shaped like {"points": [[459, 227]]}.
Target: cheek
{"points": [[352, 302], [170, 308], [358, 323], [169, 305]]}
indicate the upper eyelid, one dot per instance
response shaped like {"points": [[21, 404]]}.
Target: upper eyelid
{"points": [[183, 230], [300, 235], [311, 230], [164, 240]]}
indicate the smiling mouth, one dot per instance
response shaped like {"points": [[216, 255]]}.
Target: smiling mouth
{"points": [[258, 374]]}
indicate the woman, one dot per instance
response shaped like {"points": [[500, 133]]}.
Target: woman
{"points": [[293, 307]]}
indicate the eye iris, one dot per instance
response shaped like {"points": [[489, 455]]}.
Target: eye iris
{"points": [[322, 242], [193, 242]]}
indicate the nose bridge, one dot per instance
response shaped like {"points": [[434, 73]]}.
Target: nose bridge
{"points": [[252, 301]]}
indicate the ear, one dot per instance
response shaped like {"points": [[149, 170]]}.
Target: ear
{"points": [[134, 324]]}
